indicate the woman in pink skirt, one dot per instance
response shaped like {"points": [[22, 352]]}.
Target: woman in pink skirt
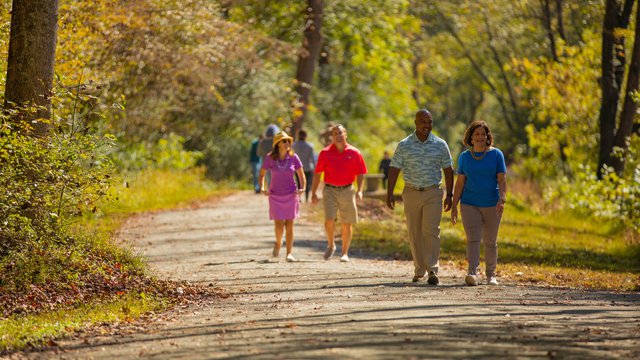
{"points": [[283, 191]]}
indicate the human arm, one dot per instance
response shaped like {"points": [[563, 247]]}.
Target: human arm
{"points": [[263, 190], [303, 180], [448, 181], [391, 183], [502, 187], [314, 188], [359, 182], [457, 193]]}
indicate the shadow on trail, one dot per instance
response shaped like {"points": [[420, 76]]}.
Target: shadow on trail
{"points": [[417, 330]]}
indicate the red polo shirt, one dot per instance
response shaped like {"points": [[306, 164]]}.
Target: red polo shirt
{"points": [[340, 168]]}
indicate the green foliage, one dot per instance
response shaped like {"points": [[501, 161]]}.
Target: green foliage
{"points": [[612, 197], [47, 182], [166, 154], [562, 153]]}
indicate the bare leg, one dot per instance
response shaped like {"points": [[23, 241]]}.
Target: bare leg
{"points": [[330, 227], [289, 235], [347, 233], [279, 229]]}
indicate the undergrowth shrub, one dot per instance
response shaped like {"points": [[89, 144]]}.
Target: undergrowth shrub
{"points": [[48, 183]]}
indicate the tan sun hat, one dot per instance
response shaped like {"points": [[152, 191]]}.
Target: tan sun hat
{"points": [[281, 136]]}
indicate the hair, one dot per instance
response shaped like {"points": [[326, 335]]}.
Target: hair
{"points": [[338, 126], [423, 111], [466, 140], [275, 152], [302, 135]]}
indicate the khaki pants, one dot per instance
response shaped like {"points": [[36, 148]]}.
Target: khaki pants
{"points": [[423, 210], [481, 225]]}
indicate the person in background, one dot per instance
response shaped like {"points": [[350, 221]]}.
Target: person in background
{"points": [[256, 162], [283, 192], [481, 187], [423, 157], [341, 164], [325, 135], [384, 168], [304, 150], [266, 144]]}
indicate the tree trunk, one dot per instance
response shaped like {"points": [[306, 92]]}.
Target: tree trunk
{"points": [[613, 64], [560, 20], [416, 81], [32, 47], [546, 11], [307, 58], [628, 114]]}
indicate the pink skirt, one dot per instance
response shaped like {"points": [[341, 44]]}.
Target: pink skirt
{"points": [[283, 207]]}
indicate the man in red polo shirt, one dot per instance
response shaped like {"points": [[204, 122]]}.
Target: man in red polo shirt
{"points": [[341, 164]]}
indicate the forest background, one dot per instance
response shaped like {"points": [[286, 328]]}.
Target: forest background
{"points": [[186, 85]]}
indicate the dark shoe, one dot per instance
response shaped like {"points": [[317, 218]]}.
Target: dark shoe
{"points": [[433, 278], [329, 252]]}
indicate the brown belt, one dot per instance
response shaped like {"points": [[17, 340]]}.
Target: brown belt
{"points": [[424, 188], [338, 186]]}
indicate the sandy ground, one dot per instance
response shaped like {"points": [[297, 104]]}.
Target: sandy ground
{"points": [[367, 308]]}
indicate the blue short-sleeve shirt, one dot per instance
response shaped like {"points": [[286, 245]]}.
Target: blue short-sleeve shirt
{"points": [[481, 177], [422, 162]]}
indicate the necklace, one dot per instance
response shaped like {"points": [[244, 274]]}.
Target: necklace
{"points": [[473, 154], [283, 166]]}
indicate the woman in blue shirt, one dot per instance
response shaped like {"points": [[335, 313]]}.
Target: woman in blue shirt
{"points": [[481, 187]]}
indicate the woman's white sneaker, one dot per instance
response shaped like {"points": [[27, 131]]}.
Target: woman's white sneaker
{"points": [[492, 281], [290, 258]]}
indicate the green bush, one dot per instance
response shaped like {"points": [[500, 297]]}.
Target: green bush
{"points": [[48, 183], [167, 153]]}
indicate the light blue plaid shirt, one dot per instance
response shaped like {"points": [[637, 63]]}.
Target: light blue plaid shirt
{"points": [[422, 162]]}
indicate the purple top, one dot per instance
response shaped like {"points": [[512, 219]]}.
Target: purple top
{"points": [[282, 181]]}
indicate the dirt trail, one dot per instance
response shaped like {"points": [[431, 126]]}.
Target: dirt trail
{"points": [[367, 308]]}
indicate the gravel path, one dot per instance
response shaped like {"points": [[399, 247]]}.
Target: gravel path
{"points": [[367, 308]]}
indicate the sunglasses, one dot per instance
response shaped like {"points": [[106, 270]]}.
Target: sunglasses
{"points": [[286, 141]]}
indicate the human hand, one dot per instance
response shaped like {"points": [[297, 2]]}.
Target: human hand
{"points": [[265, 192], [314, 199], [500, 207], [359, 196], [300, 191], [391, 202], [454, 215], [447, 204]]}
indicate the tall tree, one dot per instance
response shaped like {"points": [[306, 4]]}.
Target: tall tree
{"points": [[32, 46], [613, 67], [307, 58]]}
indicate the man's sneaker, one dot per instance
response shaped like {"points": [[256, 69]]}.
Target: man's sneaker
{"points": [[471, 280], [290, 258], [417, 278], [344, 258], [433, 278], [329, 252], [492, 281]]}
